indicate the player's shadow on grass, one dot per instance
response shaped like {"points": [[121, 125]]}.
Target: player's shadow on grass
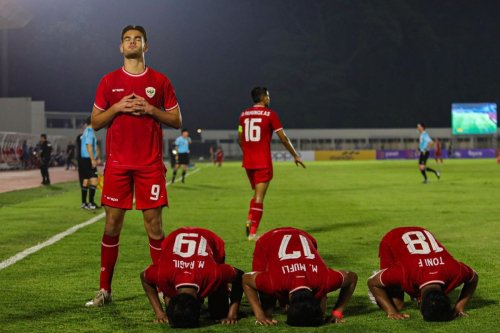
{"points": [[360, 305], [476, 302], [336, 226]]}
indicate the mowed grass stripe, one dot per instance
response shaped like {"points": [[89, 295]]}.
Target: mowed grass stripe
{"points": [[346, 206]]}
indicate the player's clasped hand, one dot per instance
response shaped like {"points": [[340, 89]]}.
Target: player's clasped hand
{"points": [[134, 104]]}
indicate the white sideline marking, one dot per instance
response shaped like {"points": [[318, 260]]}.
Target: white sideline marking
{"points": [[54, 239], [23, 254]]}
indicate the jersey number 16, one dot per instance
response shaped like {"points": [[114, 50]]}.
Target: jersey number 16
{"points": [[252, 130]]}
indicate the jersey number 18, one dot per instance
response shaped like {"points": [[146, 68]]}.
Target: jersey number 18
{"points": [[424, 243]]}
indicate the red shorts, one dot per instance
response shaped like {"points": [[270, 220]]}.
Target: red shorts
{"points": [[148, 185], [256, 176]]}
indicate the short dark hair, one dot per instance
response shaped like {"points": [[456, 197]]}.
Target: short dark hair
{"points": [[183, 311], [44, 136], [135, 27], [436, 306], [88, 120], [257, 93], [304, 309], [421, 124], [184, 130]]}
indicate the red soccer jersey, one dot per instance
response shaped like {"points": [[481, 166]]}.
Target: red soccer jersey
{"points": [[288, 260], [257, 125], [135, 141], [412, 258], [191, 257]]}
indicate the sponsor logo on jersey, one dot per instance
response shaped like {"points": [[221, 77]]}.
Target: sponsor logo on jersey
{"points": [[117, 90], [150, 91]]}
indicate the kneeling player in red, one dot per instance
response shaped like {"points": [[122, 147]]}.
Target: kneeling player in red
{"points": [[191, 267], [413, 261], [287, 266]]}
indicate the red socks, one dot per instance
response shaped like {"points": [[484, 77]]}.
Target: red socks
{"points": [[256, 215], [252, 203], [155, 249], [109, 255]]}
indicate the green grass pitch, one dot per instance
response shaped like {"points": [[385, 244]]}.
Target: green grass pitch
{"points": [[346, 206]]}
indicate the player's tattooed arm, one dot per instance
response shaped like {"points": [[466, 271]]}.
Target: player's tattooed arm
{"points": [[251, 292], [465, 295], [152, 293], [383, 300]]}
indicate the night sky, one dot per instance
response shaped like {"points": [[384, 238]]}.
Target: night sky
{"points": [[327, 64]]}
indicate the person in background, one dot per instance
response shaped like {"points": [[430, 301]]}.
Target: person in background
{"points": [[438, 153], [70, 155], [182, 158], [425, 144], [219, 157], [256, 127], [89, 161], [45, 155]]}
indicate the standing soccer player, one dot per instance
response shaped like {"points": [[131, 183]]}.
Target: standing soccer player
{"points": [[425, 143], [255, 131], [182, 158], [132, 102], [413, 261]]}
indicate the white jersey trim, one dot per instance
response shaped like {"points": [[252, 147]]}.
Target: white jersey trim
{"points": [[298, 288], [154, 248], [473, 276], [431, 282], [135, 75], [188, 285], [98, 107], [173, 107], [107, 245], [380, 277], [277, 130]]}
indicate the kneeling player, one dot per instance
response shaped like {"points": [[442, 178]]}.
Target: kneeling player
{"points": [[413, 261], [191, 267], [287, 266]]}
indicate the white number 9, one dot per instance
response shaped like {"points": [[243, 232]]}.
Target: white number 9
{"points": [[155, 192]]}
